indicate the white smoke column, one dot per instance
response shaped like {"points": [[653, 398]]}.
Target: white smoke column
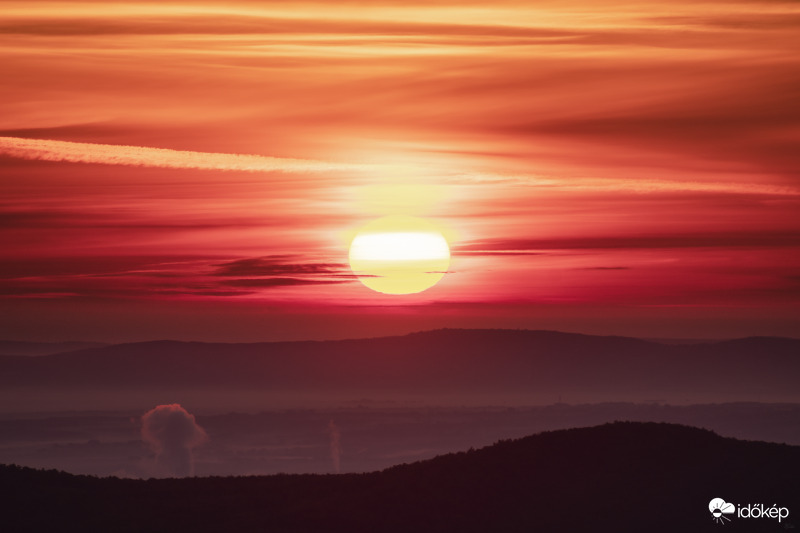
{"points": [[172, 433], [336, 451]]}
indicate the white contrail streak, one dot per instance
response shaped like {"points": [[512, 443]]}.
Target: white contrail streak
{"points": [[114, 154]]}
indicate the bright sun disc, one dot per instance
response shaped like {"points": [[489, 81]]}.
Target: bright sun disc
{"points": [[399, 255]]}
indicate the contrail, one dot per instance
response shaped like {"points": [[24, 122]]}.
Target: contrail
{"points": [[116, 154], [143, 156]]}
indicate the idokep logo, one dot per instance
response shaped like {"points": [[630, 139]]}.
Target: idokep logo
{"points": [[719, 508]]}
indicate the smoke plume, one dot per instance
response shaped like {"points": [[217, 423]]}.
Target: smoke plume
{"points": [[172, 433], [336, 451]]}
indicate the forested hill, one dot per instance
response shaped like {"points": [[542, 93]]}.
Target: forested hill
{"points": [[616, 477]]}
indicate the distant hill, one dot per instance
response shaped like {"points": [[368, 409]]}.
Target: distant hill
{"points": [[617, 477], [44, 348], [473, 361]]}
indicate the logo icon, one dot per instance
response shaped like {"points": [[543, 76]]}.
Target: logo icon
{"points": [[719, 508]]}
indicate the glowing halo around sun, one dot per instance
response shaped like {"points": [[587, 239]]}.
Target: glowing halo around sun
{"points": [[399, 255]]}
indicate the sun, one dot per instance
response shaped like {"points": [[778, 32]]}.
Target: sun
{"points": [[399, 255]]}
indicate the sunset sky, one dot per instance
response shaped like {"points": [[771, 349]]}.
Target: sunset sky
{"points": [[197, 170]]}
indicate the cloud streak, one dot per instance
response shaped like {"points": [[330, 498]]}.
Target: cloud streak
{"points": [[766, 239], [166, 277], [143, 156], [277, 265]]}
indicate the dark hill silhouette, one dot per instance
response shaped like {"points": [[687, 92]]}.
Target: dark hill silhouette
{"points": [[617, 477], [442, 360]]}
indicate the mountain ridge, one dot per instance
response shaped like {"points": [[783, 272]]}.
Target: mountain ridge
{"points": [[421, 333], [463, 361]]}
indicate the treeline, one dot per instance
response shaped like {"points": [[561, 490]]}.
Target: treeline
{"points": [[616, 477]]}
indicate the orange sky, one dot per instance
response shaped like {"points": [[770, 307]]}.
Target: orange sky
{"points": [[195, 170]]}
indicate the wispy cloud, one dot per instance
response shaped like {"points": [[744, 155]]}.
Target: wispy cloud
{"points": [[282, 282], [765, 239], [276, 265], [165, 277], [112, 154], [142, 156]]}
